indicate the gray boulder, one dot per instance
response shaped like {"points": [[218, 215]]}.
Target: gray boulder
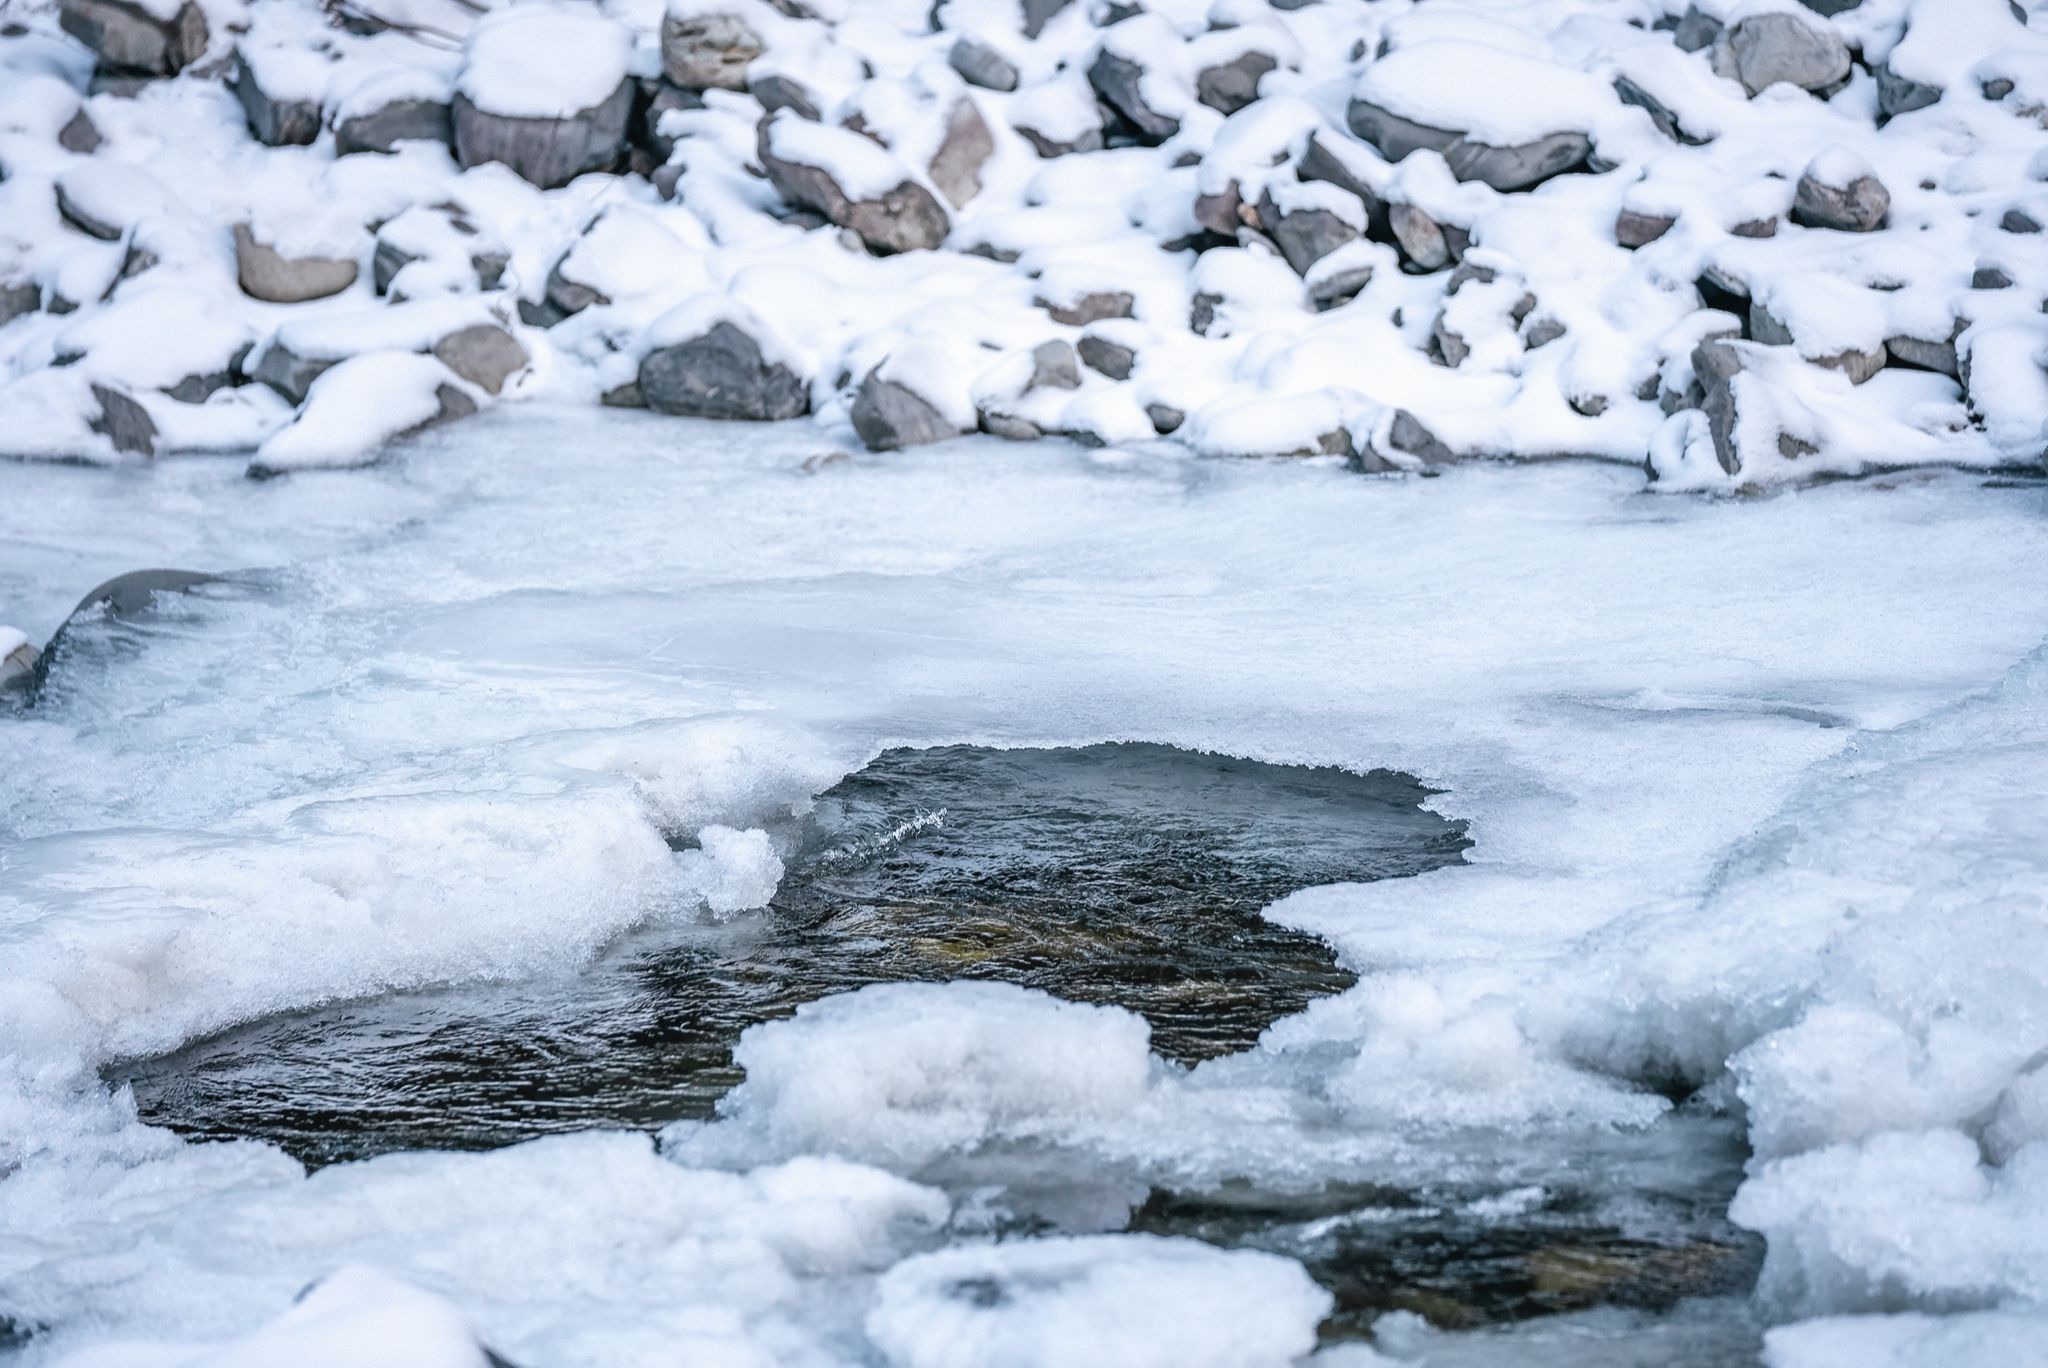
{"points": [[383, 128], [1633, 230], [1106, 357], [1053, 367], [17, 298], [1920, 353], [956, 167], [124, 422], [777, 91], [889, 417], [1394, 135], [548, 153], [1515, 167], [708, 51], [1165, 418], [1696, 30], [721, 374], [1827, 197], [484, 354], [128, 38], [79, 134], [1092, 307], [1898, 94], [272, 121], [1232, 85], [981, 65], [906, 218], [265, 273], [1116, 81], [1304, 236], [1859, 365], [1768, 49], [1427, 244]]}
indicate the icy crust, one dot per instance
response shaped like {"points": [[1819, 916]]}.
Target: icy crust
{"points": [[1290, 253], [444, 739]]}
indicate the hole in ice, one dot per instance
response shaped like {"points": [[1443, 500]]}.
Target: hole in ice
{"points": [[1123, 873]]}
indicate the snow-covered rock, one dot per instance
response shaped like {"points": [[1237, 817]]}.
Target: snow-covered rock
{"points": [[1840, 190], [711, 359], [150, 37], [852, 182], [357, 408], [270, 272], [544, 90]]}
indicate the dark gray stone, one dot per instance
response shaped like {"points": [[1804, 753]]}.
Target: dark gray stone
{"points": [[1633, 230], [484, 354], [1202, 312], [664, 98], [784, 92], [1116, 82], [1410, 437], [1767, 49], [888, 417], [1662, 115], [1090, 308], [1518, 167], [1165, 418], [273, 122], [382, 129], [1696, 31], [981, 65], [79, 134], [18, 298], [72, 213], [266, 273], [1427, 244], [127, 38], [1542, 333], [1105, 357], [1047, 146], [1831, 8], [1990, 278], [708, 51], [1232, 85], [1858, 207], [1038, 13], [290, 374], [548, 153], [1756, 228], [721, 374], [2019, 221], [908, 218], [1393, 135], [625, 395], [1305, 236], [1996, 89], [1897, 95], [1330, 289], [956, 167], [1222, 213], [124, 422], [1053, 367], [1320, 163], [1918, 353]]}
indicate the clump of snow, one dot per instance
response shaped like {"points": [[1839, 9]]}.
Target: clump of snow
{"points": [[732, 870], [1142, 1301]]}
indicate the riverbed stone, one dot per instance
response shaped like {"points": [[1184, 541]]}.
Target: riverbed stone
{"points": [[1764, 50], [128, 38], [956, 166], [484, 354], [721, 374], [548, 153], [266, 273], [888, 416], [1859, 205], [906, 218], [708, 51]]}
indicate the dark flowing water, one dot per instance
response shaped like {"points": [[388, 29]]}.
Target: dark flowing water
{"points": [[1127, 873]]}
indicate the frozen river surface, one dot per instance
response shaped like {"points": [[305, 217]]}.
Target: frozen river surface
{"points": [[1723, 1038]]}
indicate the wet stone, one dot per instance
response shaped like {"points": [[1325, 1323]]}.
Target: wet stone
{"points": [[1130, 874]]}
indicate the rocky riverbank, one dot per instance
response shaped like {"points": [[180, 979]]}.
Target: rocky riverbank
{"points": [[1735, 241]]}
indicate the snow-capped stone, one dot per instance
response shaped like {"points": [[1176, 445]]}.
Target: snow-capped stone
{"points": [[705, 48], [1633, 229], [18, 297], [1840, 190], [1510, 121], [174, 338], [264, 272], [1230, 86], [406, 104], [426, 251], [80, 134], [1106, 356], [109, 200], [1165, 418], [852, 182], [1309, 220], [1058, 118], [721, 369], [1120, 79], [778, 90], [1763, 50], [359, 407], [301, 350], [1428, 244], [666, 98], [544, 91], [981, 65], [1898, 94], [912, 397], [280, 92], [1088, 306], [484, 354], [1053, 366], [1922, 353], [138, 36]]}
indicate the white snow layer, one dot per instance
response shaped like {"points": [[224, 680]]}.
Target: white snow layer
{"points": [[1052, 202], [1755, 790]]}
